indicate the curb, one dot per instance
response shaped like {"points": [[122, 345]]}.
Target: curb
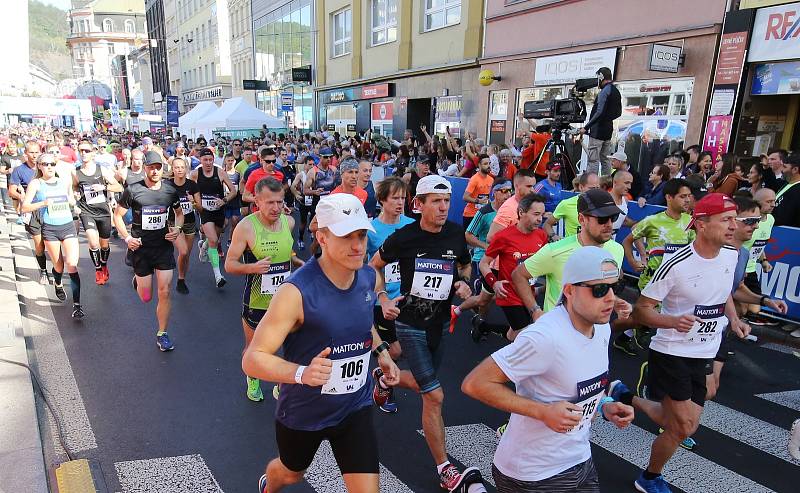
{"points": [[22, 464]]}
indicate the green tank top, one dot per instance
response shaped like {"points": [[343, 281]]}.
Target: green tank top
{"points": [[277, 245]]}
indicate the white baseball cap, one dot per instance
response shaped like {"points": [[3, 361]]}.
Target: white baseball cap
{"points": [[433, 184], [589, 263], [342, 213], [619, 156]]}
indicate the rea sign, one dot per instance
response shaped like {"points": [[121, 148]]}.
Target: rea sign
{"points": [[665, 58], [776, 34]]}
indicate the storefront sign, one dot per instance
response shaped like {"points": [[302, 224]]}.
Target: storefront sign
{"points": [[665, 58], [203, 94], [301, 74], [731, 58], [776, 78], [172, 111], [498, 126], [775, 34], [566, 69], [356, 93], [771, 123], [375, 91], [255, 85], [757, 4], [718, 132], [331, 127], [448, 108], [383, 112], [351, 127], [722, 102]]}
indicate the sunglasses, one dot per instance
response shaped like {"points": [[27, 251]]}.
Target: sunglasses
{"points": [[749, 221], [600, 290], [604, 220], [48, 165], [269, 160]]}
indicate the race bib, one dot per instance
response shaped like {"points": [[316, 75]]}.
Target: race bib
{"points": [[667, 249], [308, 200], [589, 394], [757, 249], [391, 272], [186, 205], [713, 321], [59, 207], [432, 279], [93, 196], [154, 217], [274, 278], [209, 202], [348, 375]]}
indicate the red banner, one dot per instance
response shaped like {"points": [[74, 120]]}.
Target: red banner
{"points": [[717, 135], [382, 111], [731, 56]]}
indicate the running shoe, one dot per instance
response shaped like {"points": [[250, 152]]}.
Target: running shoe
{"points": [[221, 252], [794, 440], [760, 320], [501, 429], [60, 293], [657, 485], [77, 311], [795, 333], [471, 482], [254, 389], [390, 407], [477, 332], [99, 278], [449, 478], [616, 389], [688, 443], [379, 394], [129, 258], [300, 245], [453, 318], [641, 386], [164, 344], [181, 287], [220, 281], [624, 344], [202, 252], [262, 484], [276, 392], [106, 274], [20, 221], [642, 337], [44, 278]]}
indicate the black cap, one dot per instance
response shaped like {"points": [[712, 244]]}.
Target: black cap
{"points": [[597, 203], [205, 152], [152, 157]]}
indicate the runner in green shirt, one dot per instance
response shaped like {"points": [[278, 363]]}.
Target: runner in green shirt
{"points": [[567, 209], [757, 244], [596, 214]]}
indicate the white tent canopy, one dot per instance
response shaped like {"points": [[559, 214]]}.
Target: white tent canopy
{"points": [[186, 122], [236, 113]]}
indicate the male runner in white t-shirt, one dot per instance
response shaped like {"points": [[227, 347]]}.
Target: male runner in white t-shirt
{"points": [[559, 366]]}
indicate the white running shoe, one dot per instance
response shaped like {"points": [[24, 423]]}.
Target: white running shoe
{"points": [[794, 440], [202, 252]]}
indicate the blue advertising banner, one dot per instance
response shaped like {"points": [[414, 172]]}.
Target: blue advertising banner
{"points": [[776, 78], [783, 250], [172, 111]]}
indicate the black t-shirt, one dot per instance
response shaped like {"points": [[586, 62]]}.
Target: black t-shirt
{"points": [[428, 270], [787, 208], [150, 210], [91, 202], [186, 194]]}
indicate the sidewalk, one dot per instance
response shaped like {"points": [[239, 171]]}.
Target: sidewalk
{"points": [[22, 466]]}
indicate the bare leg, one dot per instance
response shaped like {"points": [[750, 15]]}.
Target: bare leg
{"points": [[681, 421], [183, 257], [279, 476], [361, 483], [433, 424], [164, 281], [652, 409]]}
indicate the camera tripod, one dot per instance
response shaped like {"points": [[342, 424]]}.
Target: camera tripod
{"points": [[558, 152]]}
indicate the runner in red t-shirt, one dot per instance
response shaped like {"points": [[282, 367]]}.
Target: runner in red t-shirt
{"points": [[511, 247], [267, 170], [349, 174]]}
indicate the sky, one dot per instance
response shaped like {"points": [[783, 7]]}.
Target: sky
{"points": [[62, 4]]}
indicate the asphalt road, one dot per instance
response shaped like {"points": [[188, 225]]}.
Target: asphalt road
{"points": [[180, 421]]}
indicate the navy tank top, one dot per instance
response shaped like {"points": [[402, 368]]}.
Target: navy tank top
{"points": [[339, 319]]}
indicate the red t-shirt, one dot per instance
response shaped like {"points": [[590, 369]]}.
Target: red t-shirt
{"points": [[256, 175], [360, 193], [68, 153], [471, 165], [511, 247]]}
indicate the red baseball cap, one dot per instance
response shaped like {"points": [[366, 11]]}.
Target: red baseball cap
{"points": [[711, 204]]}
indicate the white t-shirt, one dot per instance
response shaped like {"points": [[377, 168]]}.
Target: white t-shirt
{"points": [[621, 219], [108, 161], [688, 283], [550, 361]]}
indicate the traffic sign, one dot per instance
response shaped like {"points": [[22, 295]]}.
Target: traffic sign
{"points": [[287, 101]]}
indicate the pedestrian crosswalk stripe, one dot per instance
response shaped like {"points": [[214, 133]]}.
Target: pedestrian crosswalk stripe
{"points": [[472, 445], [688, 471], [764, 436], [167, 475], [790, 398], [323, 475]]}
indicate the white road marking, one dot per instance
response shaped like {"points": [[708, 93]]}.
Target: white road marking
{"points": [[324, 475], [764, 436], [167, 475], [472, 445], [790, 398]]}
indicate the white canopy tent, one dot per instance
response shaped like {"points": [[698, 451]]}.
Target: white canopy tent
{"points": [[186, 123], [236, 113]]}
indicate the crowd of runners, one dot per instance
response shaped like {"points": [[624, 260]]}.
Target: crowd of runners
{"points": [[370, 308]]}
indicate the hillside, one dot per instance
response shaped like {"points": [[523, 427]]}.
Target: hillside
{"points": [[48, 33]]}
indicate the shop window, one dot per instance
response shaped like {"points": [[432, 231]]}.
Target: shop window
{"points": [[498, 113], [384, 21], [342, 24], [441, 13]]}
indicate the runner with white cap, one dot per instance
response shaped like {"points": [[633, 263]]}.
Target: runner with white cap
{"points": [[326, 386], [559, 366], [434, 265]]}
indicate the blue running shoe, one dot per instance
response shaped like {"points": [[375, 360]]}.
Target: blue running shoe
{"points": [[262, 484], [164, 344], [657, 485], [390, 406], [616, 389]]}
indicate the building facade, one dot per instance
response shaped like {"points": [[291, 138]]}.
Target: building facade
{"points": [[204, 54], [659, 55], [242, 67], [284, 36], [101, 30], [392, 65], [173, 47], [157, 55]]}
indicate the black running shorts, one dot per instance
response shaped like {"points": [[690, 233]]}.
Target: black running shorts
{"points": [[518, 316], [353, 441], [216, 217], [252, 316], [58, 233], [680, 378], [752, 282], [147, 259], [101, 224], [34, 225]]}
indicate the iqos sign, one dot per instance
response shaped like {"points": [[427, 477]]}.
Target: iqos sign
{"points": [[665, 58]]}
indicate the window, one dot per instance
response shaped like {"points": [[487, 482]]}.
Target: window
{"points": [[441, 13], [111, 48], [384, 21], [342, 22], [214, 74], [108, 25], [130, 27]]}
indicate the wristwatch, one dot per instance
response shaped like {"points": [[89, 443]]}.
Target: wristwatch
{"points": [[381, 347]]}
